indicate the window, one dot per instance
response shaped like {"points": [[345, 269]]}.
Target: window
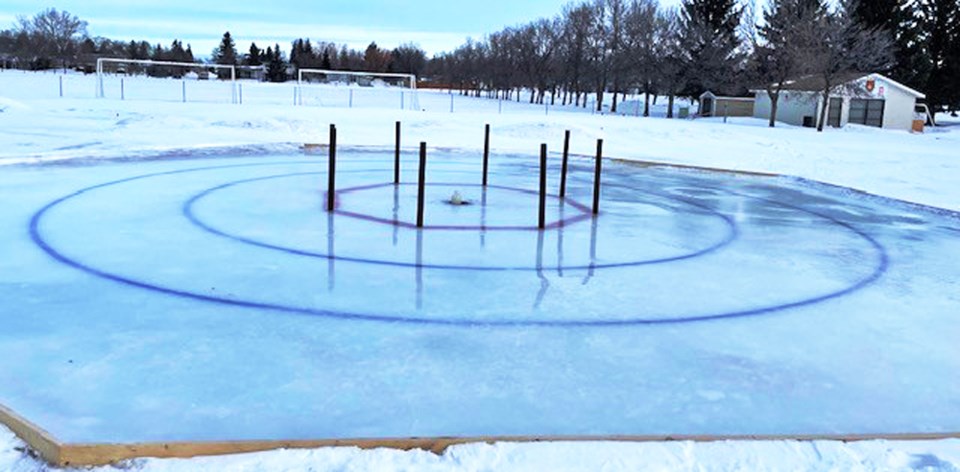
{"points": [[867, 112]]}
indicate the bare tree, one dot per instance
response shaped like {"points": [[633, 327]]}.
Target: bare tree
{"points": [[840, 46], [642, 46], [671, 69], [54, 33], [779, 55]]}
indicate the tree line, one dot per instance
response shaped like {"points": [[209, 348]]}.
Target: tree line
{"points": [[603, 49], [57, 39], [599, 50]]}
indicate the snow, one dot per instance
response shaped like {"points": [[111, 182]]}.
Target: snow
{"points": [[881, 359], [917, 168]]}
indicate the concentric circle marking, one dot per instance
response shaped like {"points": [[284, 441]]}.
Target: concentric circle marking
{"points": [[729, 235], [36, 234]]}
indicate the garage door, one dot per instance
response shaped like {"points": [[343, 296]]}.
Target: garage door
{"points": [[867, 112]]}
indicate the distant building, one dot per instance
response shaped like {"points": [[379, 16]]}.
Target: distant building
{"points": [[713, 105], [865, 99]]}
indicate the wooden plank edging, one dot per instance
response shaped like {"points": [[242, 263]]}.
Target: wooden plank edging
{"points": [[94, 454], [36, 437], [101, 454]]}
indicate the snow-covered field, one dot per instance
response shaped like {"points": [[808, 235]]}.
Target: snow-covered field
{"points": [[37, 126]]}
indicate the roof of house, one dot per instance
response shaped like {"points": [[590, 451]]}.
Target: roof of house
{"points": [[812, 83]]}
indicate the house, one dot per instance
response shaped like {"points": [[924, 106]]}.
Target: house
{"points": [[865, 99], [713, 105]]}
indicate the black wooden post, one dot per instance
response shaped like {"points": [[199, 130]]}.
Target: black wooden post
{"points": [[332, 170], [396, 157], [596, 178], [543, 186], [563, 166], [486, 153], [421, 183]]}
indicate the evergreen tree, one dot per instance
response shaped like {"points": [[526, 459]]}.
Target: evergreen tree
{"points": [[276, 66], [254, 56], [899, 19], [225, 54], [325, 62], [709, 32], [941, 33]]}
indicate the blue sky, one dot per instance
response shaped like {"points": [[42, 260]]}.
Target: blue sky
{"points": [[436, 25]]}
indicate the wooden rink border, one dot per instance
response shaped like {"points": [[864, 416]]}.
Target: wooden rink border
{"points": [[95, 454]]}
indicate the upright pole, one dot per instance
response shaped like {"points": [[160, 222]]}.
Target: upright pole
{"points": [[122, 91], [402, 105], [500, 106], [183, 92], [332, 170], [421, 183], [61, 86], [486, 153], [543, 186], [240, 93], [451, 101], [564, 164], [396, 157], [596, 178], [351, 98]]}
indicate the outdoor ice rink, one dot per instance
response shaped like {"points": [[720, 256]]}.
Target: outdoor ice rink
{"points": [[214, 298]]}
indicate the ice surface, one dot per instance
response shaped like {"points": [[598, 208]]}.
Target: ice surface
{"points": [[211, 299]]}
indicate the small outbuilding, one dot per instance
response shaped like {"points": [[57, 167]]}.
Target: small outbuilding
{"points": [[713, 105], [859, 98]]}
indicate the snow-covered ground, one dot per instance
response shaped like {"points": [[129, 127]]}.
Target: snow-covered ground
{"points": [[38, 126]]}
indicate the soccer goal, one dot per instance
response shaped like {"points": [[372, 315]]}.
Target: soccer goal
{"points": [[163, 69], [349, 89]]}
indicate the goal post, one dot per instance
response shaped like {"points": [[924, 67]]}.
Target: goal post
{"points": [[403, 86], [191, 66]]}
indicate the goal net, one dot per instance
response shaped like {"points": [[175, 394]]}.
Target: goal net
{"points": [[129, 79], [349, 89]]}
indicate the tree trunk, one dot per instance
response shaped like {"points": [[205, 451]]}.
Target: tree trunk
{"points": [[646, 103], [774, 104], [600, 100], [823, 110], [669, 106], [613, 107]]}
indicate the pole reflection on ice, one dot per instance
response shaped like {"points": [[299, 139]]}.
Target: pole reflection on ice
{"points": [[396, 213], [419, 269], [544, 283], [560, 241], [593, 251], [330, 252], [483, 217]]}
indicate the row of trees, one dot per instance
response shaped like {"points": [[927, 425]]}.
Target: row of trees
{"points": [[601, 48], [53, 38]]}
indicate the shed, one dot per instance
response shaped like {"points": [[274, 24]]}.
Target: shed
{"points": [[859, 98], [714, 105]]}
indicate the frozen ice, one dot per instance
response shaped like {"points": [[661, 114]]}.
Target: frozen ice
{"points": [[214, 298]]}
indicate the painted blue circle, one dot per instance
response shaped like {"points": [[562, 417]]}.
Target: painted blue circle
{"points": [[36, 234]]}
